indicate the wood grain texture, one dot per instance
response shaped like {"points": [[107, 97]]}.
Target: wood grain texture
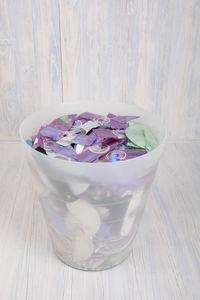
{"points": [[164, 263], [30, 68], [140, 51], [145, 52]]}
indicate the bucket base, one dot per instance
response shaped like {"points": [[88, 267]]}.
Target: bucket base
{"points": [[123, 256], [74, 266]]}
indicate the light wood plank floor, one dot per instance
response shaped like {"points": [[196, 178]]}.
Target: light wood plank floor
{"points": [[164, 263]]}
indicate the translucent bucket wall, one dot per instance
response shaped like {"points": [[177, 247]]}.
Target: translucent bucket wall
{"points": [[92, 210]]}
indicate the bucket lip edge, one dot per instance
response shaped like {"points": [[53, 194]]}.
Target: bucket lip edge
{"points": [[139, 158]]}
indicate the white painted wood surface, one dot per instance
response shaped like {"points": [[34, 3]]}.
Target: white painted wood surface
{"points": [[30, 65], [142, 51], [164, 264]]}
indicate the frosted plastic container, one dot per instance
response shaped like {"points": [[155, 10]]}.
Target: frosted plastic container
{"points": [[92, 210]]}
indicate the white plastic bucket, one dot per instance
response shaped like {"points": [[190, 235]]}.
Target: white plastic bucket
{"points": [[92, 210]]}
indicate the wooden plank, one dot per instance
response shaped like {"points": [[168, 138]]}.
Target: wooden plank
{"points": [[46, 29], [164, 263], [29, 61], [135, 51]]}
